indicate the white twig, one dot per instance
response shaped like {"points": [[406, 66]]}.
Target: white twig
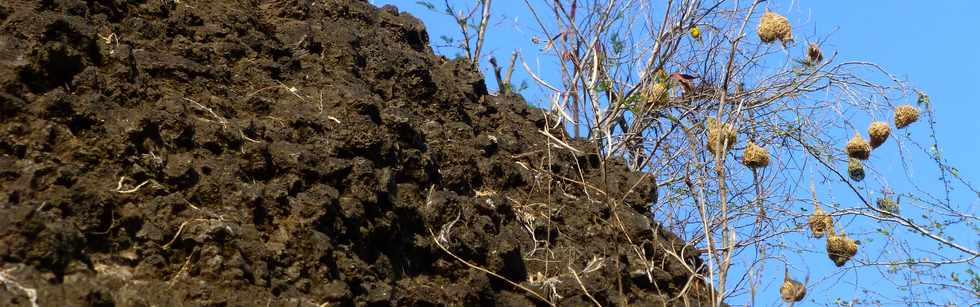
{"points": [[221, 120], [247, 138], [444, 232], [8, 282], [582, 286], [563, 144], [133, 190]]}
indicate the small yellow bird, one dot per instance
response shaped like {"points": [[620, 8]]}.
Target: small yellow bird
{"points": [[696, 33]]}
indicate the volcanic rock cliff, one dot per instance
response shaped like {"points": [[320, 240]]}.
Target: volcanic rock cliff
{"points": [[300, 153]]}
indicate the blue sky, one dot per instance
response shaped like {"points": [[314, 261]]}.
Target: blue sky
{"points": [[933, 44]]}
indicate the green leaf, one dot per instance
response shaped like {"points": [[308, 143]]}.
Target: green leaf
{"points": [[923, 99], [617, 44], [446, 39], [603, 86], [428, 5]]}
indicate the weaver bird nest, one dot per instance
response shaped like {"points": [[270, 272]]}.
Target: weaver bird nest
{"points": [[855, 169], [720, 135], [905, 115], [755, 156], [840, 248], [791, 290], [878, 132], [773, 26], [858, 148], [820, 222], [656, 94], [888, 205]]}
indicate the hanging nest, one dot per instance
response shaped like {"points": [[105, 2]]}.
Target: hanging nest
{"points": [[855, 169], [656, 94], [755, 156], [878, 133], [858, 148], [791, 290], [773, 26], [905, 115], [890, 206], [840, 248], [813, 55], [820, 222], [720, 135]]}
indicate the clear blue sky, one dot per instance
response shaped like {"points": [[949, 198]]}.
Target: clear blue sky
{"points": [[933, 44]]}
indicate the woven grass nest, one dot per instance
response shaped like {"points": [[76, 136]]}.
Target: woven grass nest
{"points": [[773, 26], [878, 133], [888, 205], [719, 134], [905, 115], [858, 148], [855, 169], [791, 290], [755, 156], [820, 222], [840, 248], [656, 94]]}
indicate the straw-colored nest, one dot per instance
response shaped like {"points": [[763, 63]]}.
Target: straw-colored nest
{"points": [[888, 205], [820, 222], [878, 132], [755, 156], [773, 26], [791, 290], [720, 135], [840, 248], [813, 54], [858, 148], [855, 169], [656, 94], [905, 115]]}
